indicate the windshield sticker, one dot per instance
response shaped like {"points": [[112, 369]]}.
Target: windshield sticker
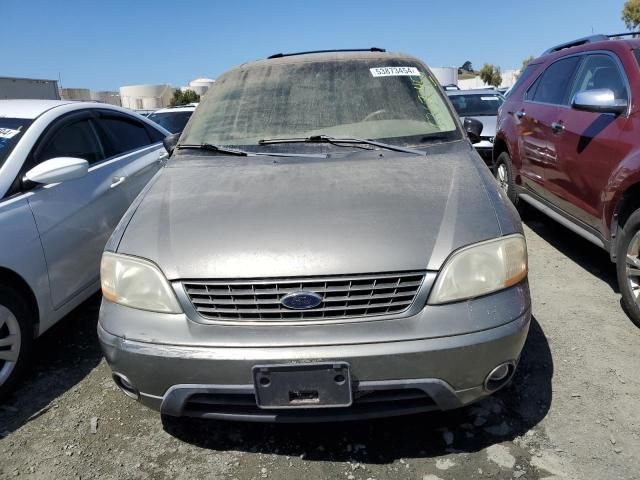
{"points": [[395, 72], [8, 133], [493, 99]]}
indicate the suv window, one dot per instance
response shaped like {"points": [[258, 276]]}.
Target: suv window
{"points": [[124, 134], [524, 76], [601, 71], [76, 139], [555, 81]]}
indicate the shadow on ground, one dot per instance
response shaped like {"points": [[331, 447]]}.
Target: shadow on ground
{"points": [[508, 414], [64, 355], [592, 258]]}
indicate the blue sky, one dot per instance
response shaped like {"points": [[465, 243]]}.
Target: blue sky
{"points": [[105, 44]]}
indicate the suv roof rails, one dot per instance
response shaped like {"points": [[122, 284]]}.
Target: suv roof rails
{"points": [[589, 39], [372, 49]]}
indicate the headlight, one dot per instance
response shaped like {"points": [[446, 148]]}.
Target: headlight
{"points": [[481, 269], [136, 283]]}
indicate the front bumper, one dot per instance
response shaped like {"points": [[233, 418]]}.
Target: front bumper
{"points": [[389, 378]]}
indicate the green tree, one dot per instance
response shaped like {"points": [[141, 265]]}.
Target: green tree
{"points": [[183, 98], [491, 75], [467, 67], [631, 14]]}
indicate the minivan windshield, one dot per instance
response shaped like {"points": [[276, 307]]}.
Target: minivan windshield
{"points": [[11, 129], [390, 99], [477, 105]]}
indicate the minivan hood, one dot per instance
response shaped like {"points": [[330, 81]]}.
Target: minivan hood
{"points": [[489, 124], [252, 217]]}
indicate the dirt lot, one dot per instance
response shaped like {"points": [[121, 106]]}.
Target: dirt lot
{"points": [[571, 412]]}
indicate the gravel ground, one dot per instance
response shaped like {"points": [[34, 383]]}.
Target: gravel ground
{"points": [[571, 412]]}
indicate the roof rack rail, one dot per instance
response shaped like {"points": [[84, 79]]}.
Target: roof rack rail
{"points": [[628, 34], [575, 43], [372, 49]]}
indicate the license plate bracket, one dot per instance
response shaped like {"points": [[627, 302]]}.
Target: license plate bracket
{"points": [[305, 385]]}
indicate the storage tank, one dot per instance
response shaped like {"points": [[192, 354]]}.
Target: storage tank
{"points": [[446, 75], [145, 97], [199, 85], [82, 94]]}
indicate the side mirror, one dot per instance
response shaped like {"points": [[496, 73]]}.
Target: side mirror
{"points": [[59, 169], [600, 100], [473, 128], [170, 142]]}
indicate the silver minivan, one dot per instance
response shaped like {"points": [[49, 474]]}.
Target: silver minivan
{"points": [[68, 171], [324, 243]]}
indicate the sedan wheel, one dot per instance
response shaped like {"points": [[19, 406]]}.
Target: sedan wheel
{"points": [[10, 341]]}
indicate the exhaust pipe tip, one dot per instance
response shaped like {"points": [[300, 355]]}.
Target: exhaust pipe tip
{"points": [[125, 385], [499, 376]]}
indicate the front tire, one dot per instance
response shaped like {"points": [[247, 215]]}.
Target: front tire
{"points": [[628, 267], [16, 338], [503, 171]]}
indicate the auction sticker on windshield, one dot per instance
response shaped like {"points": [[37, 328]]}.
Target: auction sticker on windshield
{"points": [[395, 72], [8, 132]]}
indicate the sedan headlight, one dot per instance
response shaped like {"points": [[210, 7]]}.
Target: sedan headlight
{"points": [[480, 269], [136, 283]]}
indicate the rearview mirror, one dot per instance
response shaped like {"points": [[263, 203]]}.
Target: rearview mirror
{"points": [[170, 142], [600, 100], [59, 169], [473, 128]]}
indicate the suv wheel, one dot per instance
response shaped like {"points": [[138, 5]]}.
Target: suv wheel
{"points": [[504, 175], [16, 338], [628, 267]]}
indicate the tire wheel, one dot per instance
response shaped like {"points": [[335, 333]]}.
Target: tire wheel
{"points": [[628, 267], [16, 338], [503, 171]]}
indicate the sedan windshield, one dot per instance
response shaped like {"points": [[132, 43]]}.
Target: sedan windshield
{"points": [[477, 105], [172, 121], [11, 129], [394, 100]]}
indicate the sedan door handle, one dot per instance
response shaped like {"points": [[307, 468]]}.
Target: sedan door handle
{"points": [[520, 114], [117, 181], [557, 127]]}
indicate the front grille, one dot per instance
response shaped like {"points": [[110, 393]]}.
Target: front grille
{"points": [[342, 297]]}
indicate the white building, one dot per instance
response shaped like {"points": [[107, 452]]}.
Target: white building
{"points": [[82, 94], [509, 77], [446, 75], [112, 98], [146, 97]]}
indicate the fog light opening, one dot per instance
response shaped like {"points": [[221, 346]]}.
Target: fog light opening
{"points": [[125, 385], [499, 376]]}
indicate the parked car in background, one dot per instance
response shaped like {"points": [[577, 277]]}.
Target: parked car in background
{"points": [[568, 144], [173, 119], [68, 171], [482, 105], [324, 243]]}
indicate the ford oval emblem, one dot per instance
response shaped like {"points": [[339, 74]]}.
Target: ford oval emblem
{"points": [[301, 300]]}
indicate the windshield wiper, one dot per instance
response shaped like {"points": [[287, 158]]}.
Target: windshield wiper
{"points": [[340, 142], [213, 148]]}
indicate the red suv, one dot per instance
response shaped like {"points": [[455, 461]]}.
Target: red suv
{"points": [[568, 144]]}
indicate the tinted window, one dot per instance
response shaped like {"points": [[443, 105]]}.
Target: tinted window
{"points": [[124, 134], [601, 71], [77, 139], [555, 81], [155, 134], [523, 77], [172, 121]]}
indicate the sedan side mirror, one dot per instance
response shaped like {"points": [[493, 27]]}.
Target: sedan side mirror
{"points": [[473, 128], [600, 100], [59, 169], [170, 142]]}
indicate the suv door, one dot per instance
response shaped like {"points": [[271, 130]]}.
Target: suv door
{"points": [[587, 146], [537, 129], [75, 218], [137, 144]]}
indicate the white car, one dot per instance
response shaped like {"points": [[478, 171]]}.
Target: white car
{"points": [[68, 172], [173, 119]]}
